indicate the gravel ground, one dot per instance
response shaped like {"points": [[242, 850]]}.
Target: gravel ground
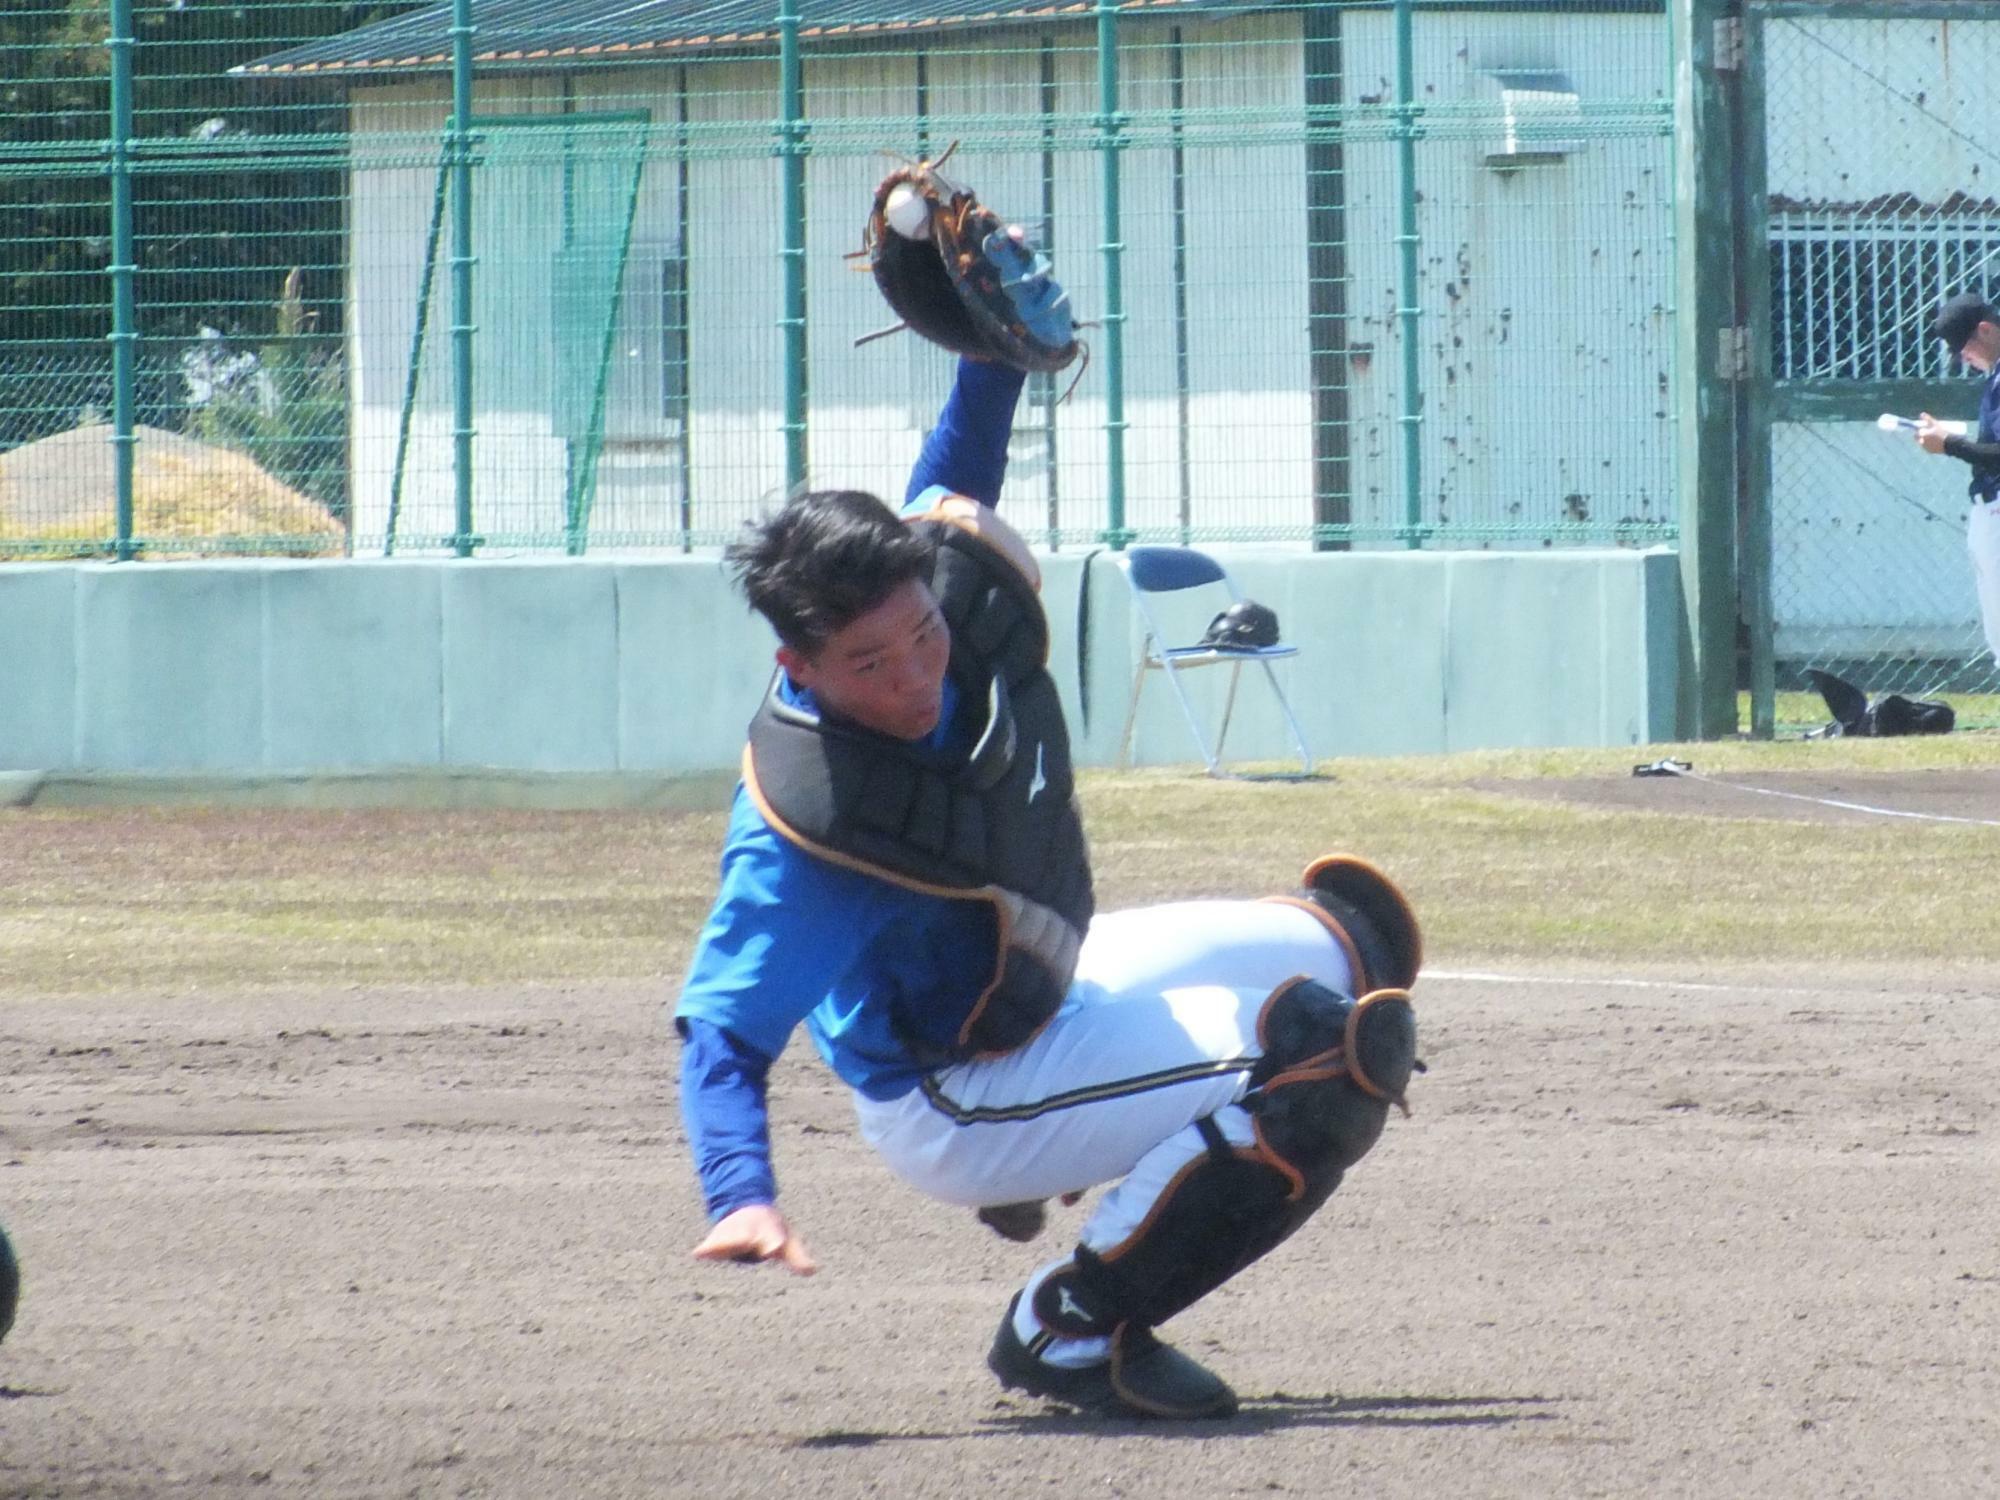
{"points": [[1695, 1233]]}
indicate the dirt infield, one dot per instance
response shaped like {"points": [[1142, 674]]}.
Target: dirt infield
{"points": [[1732, 1237]]}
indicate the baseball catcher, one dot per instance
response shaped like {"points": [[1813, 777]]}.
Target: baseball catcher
{"points": [[906, 879], [958, 276]]}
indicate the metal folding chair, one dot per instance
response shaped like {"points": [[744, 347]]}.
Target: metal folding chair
{"points": [[1153, 571]]}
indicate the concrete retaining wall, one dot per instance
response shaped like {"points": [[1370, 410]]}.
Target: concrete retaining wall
{"points": [[650, 668]]}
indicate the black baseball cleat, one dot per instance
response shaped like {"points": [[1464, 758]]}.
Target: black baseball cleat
{"points": [[1142, 1378]]}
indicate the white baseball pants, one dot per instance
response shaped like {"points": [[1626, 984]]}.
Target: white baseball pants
{"points": [[1159, 1031], [1982, 540]]}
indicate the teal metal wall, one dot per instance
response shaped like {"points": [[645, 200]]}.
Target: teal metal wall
{"points": [[653, 667]]}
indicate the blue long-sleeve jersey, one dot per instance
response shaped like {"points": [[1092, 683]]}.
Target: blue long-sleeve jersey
{"points": [[794, 938]]}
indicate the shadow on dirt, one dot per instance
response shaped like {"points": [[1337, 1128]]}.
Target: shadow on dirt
{"points": [[1276, 1412], [1280, 1410]]}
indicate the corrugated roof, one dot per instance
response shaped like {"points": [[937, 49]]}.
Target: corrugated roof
{"points": [[542, 31]]}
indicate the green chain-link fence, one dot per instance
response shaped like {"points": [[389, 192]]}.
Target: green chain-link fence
{"points": [[1374, 275], [1881, 202]]}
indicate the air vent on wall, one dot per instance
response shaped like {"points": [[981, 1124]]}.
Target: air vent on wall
{"points": [[1541, 118]]}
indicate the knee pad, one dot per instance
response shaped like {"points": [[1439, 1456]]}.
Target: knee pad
{"points": [[1331, 1068], [1368, 916]]}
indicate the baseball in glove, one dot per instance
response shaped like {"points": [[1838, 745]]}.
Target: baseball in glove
{"points": [[960, 277]]}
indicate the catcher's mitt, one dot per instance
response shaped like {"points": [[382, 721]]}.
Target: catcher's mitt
{"points": [[960, 277]]}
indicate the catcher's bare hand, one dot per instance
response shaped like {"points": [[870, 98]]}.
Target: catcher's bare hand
{"points": [[754, 1234]]}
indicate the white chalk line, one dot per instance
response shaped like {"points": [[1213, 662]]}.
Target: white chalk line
{"points": [[1860, 807], [1470, 976]]}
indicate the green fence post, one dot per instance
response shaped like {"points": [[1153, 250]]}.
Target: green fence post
{"points": [[1110, 126], [1708, 357], [684, 389], [1177, 135], [124, 258], [462, 261], [791, 148], [1754, 394], [1326, 279], [1047, 392], [1411, 420]]}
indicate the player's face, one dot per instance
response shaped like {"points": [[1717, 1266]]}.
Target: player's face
{"points": [[885, 669], [1982, 350]]}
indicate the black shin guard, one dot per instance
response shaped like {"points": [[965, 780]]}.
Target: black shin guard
{"points": [[1331, 1068], [1222, 1211]]}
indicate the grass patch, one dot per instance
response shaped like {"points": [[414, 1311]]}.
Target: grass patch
{"points": [[1495, 876], [169, 900]]}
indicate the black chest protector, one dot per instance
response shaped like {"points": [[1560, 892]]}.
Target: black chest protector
{"points": [[998, 824]]}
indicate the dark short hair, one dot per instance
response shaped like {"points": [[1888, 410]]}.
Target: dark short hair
{"points": [[1959, 318], [824, 560]]}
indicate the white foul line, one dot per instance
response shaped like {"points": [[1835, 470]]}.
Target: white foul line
{"points": [[1468, 976], [1861, 807]]}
